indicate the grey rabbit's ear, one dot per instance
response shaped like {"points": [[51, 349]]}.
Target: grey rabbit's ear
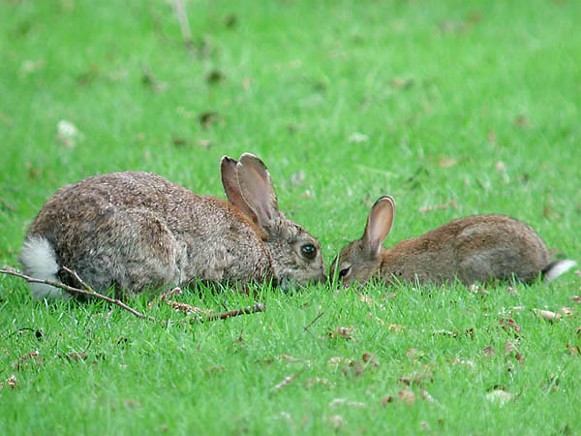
{"points": [[379, 224], [257, 190], [229, 172]]}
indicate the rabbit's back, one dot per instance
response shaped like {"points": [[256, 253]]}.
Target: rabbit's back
{"points": [[473, 249], [136, 230]]}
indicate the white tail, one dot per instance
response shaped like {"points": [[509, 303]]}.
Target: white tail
{"points": [[39, 261], [555, 269]]}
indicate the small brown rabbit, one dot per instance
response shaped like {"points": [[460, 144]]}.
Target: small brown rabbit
{"points": [[473, 249], [136, 230]]}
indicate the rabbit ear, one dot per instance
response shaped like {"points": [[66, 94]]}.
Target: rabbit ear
{"points": [[379, 224], [257, 190], [229, 171]]}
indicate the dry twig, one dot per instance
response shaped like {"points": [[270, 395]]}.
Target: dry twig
{"points": [[307, 327], [88, 291], [259, 307]]}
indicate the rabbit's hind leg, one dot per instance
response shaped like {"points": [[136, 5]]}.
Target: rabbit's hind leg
{"points": [[150, 255]]}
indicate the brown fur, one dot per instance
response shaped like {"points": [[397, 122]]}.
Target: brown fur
{"points": [[136, 230], [474, 249]]}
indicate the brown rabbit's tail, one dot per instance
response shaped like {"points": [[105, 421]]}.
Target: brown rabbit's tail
{"points": [[556, 268]]}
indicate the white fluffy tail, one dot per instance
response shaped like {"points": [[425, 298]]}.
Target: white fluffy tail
{"points": [[555, 269], [39, 261]]}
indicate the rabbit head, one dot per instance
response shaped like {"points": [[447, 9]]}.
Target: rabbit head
{"points": [[295, 255], [361, 259]]}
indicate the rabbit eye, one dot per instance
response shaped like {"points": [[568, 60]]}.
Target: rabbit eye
{"points": [[344, 272], [309, 251]]}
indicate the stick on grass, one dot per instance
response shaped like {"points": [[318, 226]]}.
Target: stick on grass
{"points": [[89, 291]]}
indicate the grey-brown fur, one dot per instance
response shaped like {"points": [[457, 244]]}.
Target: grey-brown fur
{"points": [[474, 249], [136, 230]]}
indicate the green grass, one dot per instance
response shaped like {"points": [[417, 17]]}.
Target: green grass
{"points": [[473, 105]]}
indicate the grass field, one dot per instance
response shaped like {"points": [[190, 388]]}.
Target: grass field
{"points": [[452, 107]]}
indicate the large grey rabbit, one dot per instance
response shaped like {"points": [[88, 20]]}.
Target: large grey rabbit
{"points": [[473, 249], [137, 230]]}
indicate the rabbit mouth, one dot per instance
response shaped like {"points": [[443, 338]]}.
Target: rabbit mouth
{"points": [[292, 284]]}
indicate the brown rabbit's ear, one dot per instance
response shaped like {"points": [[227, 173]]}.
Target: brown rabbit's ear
{"points": [[229, 171], [379, 224], [256, 189]]}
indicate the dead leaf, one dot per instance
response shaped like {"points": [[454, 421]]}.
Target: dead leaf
{"points": [[396, 328], [443, 332], [336, 421], [367, 299], [288, 358], [76, 356], [187, 308], [450, 204], [297, 178], [335, 361], [402, 83], [500, 396], [9, 382], [457, 361], [510, 347], [521, 121], [215, 77], [417, 378], [512, 290], [567, 311], [447, 162], [345, 402], [179, 141], [500, 166], [208, 119], [477, 289], [576, 299], [509, 325], [25, 357], [284, 382], [547, 314], [205, 143], [488, 351], [387, 400], [30, 66], [407, 396], [149, 80], [358, 138], [174, 292], [413, 353], [67, 133], [370, 359], [131, 404], [405, 380], [310, 383], [215, 369], [574, 350], [341, 332], [355, 368], [426, 396]]}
